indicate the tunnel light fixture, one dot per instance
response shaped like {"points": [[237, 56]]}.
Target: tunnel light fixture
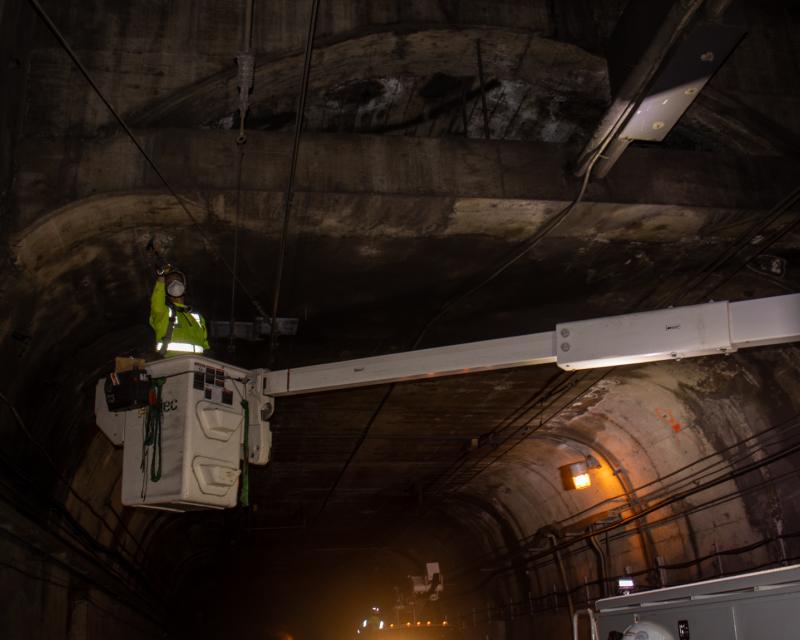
{"points": [[580, 475], [625, 585], [576, 475]]}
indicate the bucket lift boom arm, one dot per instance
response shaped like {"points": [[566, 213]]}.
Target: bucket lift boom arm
{"points": [[667, 334]]}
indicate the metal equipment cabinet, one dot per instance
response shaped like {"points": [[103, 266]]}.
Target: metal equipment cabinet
{"points": [[764, 605]]}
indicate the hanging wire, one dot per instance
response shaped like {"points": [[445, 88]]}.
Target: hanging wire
{"points": [[672, 297], [298, 130], [210, 244], [529, 244], [236, 229]]}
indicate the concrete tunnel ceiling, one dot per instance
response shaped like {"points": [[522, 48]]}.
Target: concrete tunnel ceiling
{"points": [[401, 204]]}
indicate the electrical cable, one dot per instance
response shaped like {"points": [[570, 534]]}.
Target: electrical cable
{"points": [[643, 512], [24, 428], [546, 561], [699, 475], [761, 447], [518, 254], [210, 244], [523, 426], [717, 263], [537, 398], [361, 438], [777, 236], [298, 130], [667, 487], [231, 326], [67, 587], [744, 240], [81, 551], [75, 533], [529, 244], [82, 536], [564, 382]]}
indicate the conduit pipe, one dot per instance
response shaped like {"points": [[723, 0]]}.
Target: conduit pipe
{"points": [[592, 624], [554, 542]]}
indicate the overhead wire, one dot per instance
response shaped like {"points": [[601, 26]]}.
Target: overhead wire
{"points": [[551, 387], [77, 540], [745, 240], [517, 255], [728, 255], [666, 486], [677, 497], [72, 526], [232, 321], [67, 586], [210, 244], [720, 261], [522, 428], [545, 560], [246, 74], [563, 383], [751, 449], [788, 202], [290, 186], [55, 560]]}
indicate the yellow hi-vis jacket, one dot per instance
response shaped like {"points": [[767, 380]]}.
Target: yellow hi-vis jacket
{"points": [[189, 333]]}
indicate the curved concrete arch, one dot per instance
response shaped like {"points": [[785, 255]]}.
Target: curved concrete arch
{"points": [[509, 54]]}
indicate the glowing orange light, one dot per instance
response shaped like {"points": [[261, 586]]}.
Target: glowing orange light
{"points": [[444, 623], [581, 481], [419, 623]]}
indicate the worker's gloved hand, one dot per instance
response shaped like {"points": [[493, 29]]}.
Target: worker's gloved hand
{"points": [[163, 270]]}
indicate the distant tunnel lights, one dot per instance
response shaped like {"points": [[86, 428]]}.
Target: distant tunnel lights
{"points": [[625, 585]]}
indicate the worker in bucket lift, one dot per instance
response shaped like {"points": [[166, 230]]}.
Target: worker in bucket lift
{"points": [[178, 329]]}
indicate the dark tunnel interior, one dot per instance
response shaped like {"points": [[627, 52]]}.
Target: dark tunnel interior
{"points": [[429, 198]]}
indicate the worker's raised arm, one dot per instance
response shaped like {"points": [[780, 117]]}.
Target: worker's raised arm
{"points": [[159, 312]]}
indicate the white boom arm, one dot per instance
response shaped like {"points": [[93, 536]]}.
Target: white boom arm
{"points": [[666, 334]]}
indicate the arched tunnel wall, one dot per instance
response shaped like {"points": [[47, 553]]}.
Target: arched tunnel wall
{"points": [[698, 458]]}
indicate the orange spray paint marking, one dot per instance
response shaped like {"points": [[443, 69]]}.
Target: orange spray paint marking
{"points": [[667, 418]]}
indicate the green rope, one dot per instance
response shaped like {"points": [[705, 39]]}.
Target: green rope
{"points": [[244, 494], [153, 422]]}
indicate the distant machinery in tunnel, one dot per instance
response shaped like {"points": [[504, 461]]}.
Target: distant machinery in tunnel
{"points": [[751, 606], [429, 586]]}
